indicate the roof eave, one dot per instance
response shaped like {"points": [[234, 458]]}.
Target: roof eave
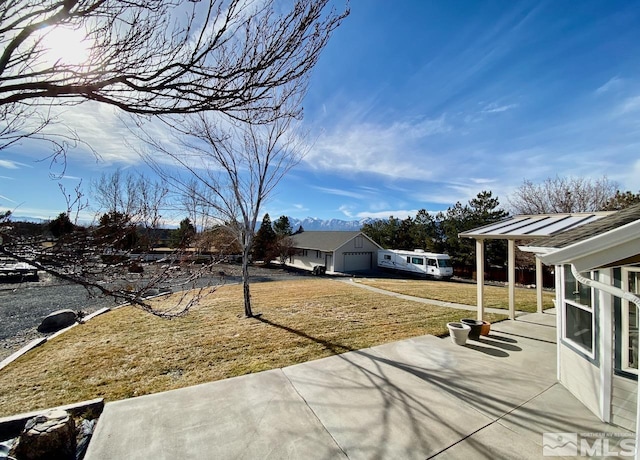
{"points": [[537, 249], [598, 251]]}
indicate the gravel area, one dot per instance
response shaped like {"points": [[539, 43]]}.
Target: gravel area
{"points": [[24, 305]]}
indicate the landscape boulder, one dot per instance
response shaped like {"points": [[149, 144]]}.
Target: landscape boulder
{"points": [[58, 320], [50, 436]]}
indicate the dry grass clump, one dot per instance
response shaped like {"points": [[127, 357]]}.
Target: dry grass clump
{"points": [[127, 352], [464, 293]]}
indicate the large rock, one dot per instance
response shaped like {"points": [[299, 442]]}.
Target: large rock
{"points": [[58, 320], [50, 436]]}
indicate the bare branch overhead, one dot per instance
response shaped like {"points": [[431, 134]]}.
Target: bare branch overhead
{"points": [[155, 57]]}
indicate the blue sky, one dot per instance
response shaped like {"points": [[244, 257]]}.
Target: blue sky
{"points": [[419, 104]]}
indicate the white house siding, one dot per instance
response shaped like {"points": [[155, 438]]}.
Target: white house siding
{"points": [[623, 402], [338, 252], [581, 378], [312, 259], [355, 255], [357, 261]]}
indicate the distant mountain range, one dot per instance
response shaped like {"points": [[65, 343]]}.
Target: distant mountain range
{"points": [[313, 224], [309, 223]]}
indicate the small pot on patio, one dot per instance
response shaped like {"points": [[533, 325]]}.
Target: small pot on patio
{"points": [[458, 332], [475, 326], [485, 329]]}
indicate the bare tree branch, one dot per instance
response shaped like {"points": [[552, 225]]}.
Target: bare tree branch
{"points": [[158, 57]]}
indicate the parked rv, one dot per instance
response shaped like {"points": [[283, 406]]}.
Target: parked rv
{"points": [[419, 262]]}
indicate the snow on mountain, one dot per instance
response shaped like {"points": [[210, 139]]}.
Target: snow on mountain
{"points": [[313, 224]]}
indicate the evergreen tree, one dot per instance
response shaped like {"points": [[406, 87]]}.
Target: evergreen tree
{"points": [[282, 227], [117, 231], [376, 231], [425, 231], [485, 209], [265, 241], [622, 200], [182, 237], [404, 235], [61, 225]]}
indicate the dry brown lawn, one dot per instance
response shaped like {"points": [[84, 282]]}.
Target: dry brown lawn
{"points": [[464, 293], [127, 352]]}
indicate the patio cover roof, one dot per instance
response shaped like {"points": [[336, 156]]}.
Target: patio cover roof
{"points": [[609, 242], [525, 227]]}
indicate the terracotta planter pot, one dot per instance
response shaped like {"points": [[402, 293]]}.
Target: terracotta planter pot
{"points": [[485, 328]]}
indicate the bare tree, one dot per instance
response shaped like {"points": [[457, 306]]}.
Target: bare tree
{"points": [[236, 167], [131, 194], [562, 195], [154, 57], [195, 199], [108, 258], [76, 201], [246, 61]]}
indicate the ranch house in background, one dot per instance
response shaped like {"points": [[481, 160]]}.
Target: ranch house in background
{"points": [[337, 252]]}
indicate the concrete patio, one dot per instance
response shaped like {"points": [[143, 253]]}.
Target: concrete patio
{"points": [[419, 398]]}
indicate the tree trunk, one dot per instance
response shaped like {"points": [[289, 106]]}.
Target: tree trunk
{"points": [[245, 285]]}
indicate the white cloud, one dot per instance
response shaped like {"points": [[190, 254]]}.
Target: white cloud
{"points": [[108, 131], [398, 214], [346, 210], [395, 150], [340, 192], [10, 164], [611, 85], [495, 108], [630, 104]]}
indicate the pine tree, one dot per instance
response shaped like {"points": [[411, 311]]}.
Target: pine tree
{"points": [[265, 241], [282, 227]]}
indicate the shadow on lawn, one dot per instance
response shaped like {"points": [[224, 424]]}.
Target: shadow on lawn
{"points": [[417, 404], [335, 348]]}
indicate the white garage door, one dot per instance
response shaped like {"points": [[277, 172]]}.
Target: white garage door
{"points": [[357, 261]]}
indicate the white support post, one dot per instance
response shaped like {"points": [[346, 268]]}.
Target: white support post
{"points": [[605, 301], [512, 279], [539, 284], [480, 277], [559, 317]]}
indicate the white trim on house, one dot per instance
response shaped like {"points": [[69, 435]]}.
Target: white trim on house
{"points": [[626, 307]]}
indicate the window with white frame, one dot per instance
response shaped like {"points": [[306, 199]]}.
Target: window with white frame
{"points": [[579, 321], [631, 283]]}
